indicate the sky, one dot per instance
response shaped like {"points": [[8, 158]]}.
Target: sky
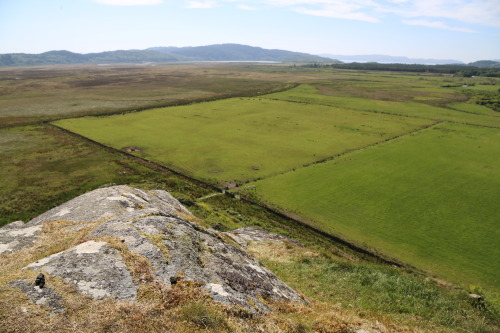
{"points": [[465, 30]]}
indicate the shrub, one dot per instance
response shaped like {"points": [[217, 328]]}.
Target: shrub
{"points": [[203, 316]]}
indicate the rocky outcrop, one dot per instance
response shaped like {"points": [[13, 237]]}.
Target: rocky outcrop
{"points": [[109, 202], [17, 236], [93, 267], [156, 227], [41, 296]]}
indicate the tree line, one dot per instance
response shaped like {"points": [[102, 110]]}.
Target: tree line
{"points": [[458, 70]]}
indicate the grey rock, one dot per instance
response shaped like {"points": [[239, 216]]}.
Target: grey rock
{"points": [[156, 226], [109, 202], [177, 247], [94, 268], [17, 235], [40, 296]]}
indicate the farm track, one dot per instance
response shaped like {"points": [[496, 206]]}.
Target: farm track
{"points": [[211, 195]]}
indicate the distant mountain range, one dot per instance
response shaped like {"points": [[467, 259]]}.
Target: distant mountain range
{"points": [[238, 52], [385, 59], [220, 52]]}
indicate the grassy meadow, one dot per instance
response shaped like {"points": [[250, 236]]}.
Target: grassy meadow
{"points": [[430, 199], [313, 95], [241, 139], [34, 94], [42, 167], [354, 155], [406, 165]]}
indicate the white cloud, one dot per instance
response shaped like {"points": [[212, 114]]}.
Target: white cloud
{"points": [[482, 12], [361, 10], [246, 7], [128, 2], [436, 24], [338, 12], [201, 4]]}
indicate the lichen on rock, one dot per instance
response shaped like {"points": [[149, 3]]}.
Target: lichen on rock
{"points": [[17, 236], [41, 296], [94, 268], [152, 225]]}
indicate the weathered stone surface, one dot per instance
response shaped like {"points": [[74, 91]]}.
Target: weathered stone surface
{"points": [[243, 236], [177, 247], [41, 296], [17, 235], [109, 202], [153, 224], [93, 267]]}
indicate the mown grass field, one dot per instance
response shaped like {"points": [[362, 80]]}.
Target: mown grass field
{"points": [[472, 108], [315, 95], [430, 199], [241, 139]]}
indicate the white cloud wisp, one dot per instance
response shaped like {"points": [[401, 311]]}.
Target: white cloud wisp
{"points": [[128, 2], [441, 14], [201, 4]]}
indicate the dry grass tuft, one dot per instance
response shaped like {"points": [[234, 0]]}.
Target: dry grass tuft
{"points": [[183, 292], [184, 307], [279, 251], [138, 266], [203, 316]]}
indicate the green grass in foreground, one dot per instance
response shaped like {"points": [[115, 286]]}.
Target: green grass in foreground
{"points": [[384, 292], [430, 199], [241, 139], [309, 94]]}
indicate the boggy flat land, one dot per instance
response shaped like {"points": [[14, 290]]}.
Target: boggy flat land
{"points": [[36, 94], [404, 164]]}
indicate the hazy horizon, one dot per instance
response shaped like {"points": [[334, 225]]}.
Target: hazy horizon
{"points": [[427, 29]]}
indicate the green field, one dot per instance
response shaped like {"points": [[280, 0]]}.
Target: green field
{"points": [[313, 95], [472, 108], [387, 160], [430, 199], [241, 139], [387, 180]]}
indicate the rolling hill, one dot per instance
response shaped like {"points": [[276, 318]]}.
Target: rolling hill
{"points": [[220, 52]]}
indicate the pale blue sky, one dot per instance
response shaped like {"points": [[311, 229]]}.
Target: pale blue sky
{"points": [[465, 30]]}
